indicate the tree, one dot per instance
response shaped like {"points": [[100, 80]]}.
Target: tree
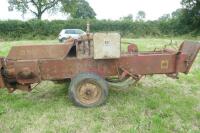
{"points": [[191, 4], [141, 15], [165, 17], [177, 13], [79, 9], [192, 13], [181, 21], [128, 17], [36, 7]]}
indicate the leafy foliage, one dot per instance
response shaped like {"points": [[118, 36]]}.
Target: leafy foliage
{"points": [[77, 8], [37, 29], [192, 13], [141, 15], [128, 17], [180, 22], [36, 7], [183, 21]]}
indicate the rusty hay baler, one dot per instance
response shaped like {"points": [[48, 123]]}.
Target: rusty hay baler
{"points": [[93, 63]]}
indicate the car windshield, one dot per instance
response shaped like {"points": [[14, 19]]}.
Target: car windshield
{"points": [[79, 32], [76, 31], [70, 32]]}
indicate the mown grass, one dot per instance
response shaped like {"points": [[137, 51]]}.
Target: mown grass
{"points": [[156, 104]]}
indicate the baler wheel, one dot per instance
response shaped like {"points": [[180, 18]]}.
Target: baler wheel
{"points": [[88, 90]]}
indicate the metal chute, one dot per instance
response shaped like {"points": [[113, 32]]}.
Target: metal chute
{"points": [[191, 50], [35, 52]]}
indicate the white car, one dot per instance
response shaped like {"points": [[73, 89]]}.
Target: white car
{"points": [[67, 33]]}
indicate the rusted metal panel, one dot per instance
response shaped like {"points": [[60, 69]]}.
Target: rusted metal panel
{"points": [[39, 52], [181, 64], [85, 49], [2, 84], [68, 68], [152, 63], [132, 48], [107, 45], [27, 72], [141, 64], [9, 70], [191, 49], [86, 37]]}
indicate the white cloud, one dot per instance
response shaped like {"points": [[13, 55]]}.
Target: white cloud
{"points": [[114, 9], [108, 9]]}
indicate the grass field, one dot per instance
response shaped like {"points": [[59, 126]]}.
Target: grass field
{"points": [[157, 104]]}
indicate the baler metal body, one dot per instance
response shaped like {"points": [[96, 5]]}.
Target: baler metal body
{"points": [[27, 65]]}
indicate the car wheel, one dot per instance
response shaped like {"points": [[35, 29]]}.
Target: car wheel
{"points": [[88, 90], [63, 40]]}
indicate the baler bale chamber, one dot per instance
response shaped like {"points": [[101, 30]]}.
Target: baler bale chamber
{"points": [[93, 63]]}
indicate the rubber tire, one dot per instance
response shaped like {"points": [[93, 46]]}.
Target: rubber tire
{"points": [[91, 76], [63, 40]]}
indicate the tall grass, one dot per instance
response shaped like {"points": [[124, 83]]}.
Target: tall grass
{"points": [[157, 104]]}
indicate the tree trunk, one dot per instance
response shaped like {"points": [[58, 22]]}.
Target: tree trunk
{"points": [[39, 16]]}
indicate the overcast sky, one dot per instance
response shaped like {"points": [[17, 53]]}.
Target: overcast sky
{"points": [[108, 9]]}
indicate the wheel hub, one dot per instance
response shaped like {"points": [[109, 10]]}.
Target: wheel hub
{"points": [[88, 92]]}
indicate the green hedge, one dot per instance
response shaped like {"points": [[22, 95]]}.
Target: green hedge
{"points": [[36, 29]]}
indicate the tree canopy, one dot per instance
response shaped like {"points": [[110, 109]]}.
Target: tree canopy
{"points": [[127, 18], [79, 9], [76, 8], [192, 13], [141, 15]]}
